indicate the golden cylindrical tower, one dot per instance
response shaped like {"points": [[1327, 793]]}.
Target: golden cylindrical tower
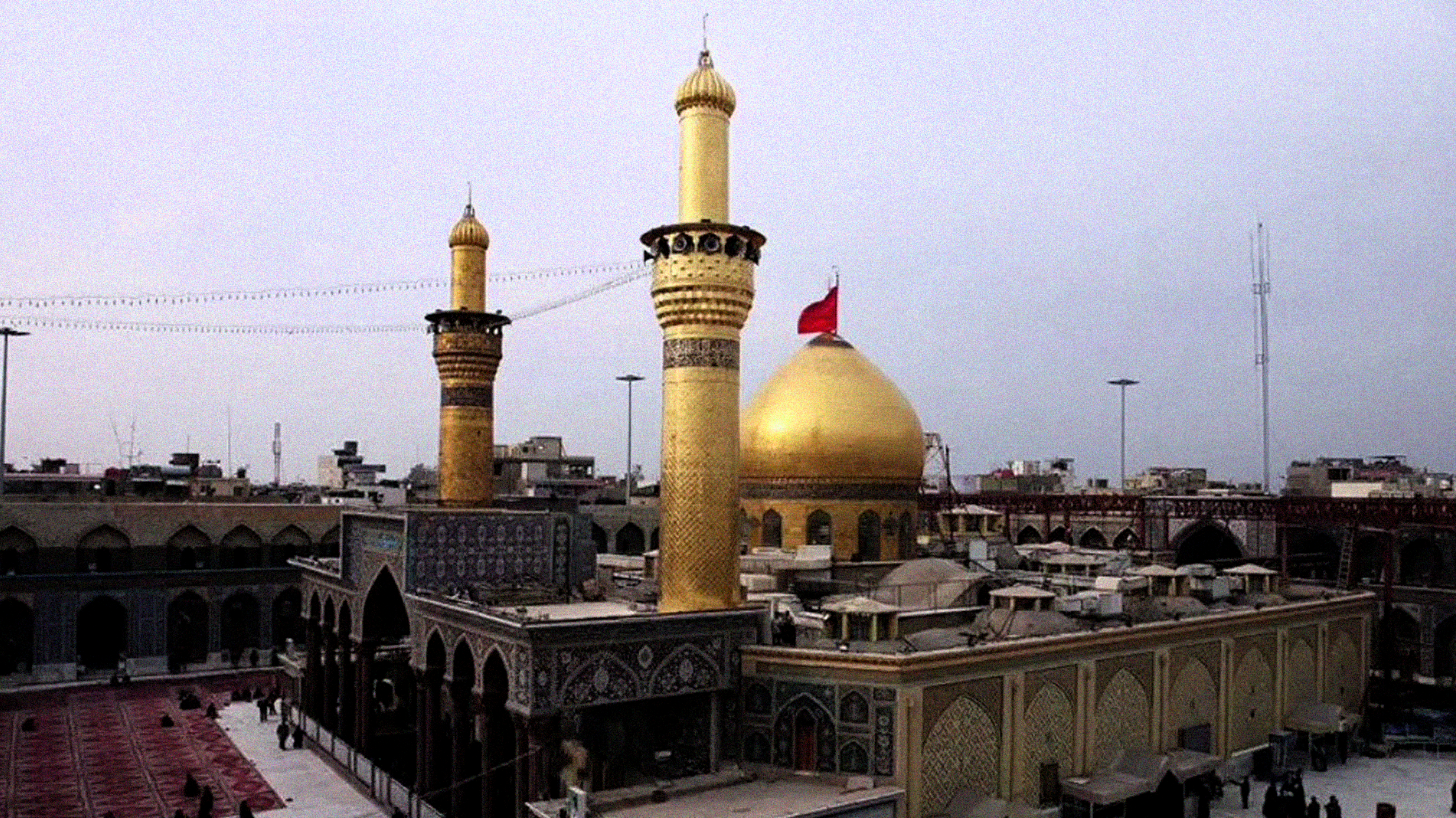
{"points": [[702, 289], [467, 352]]}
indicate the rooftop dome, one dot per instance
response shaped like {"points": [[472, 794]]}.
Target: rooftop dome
{"points": [[829, 414], [705, 86], [469, 231]]}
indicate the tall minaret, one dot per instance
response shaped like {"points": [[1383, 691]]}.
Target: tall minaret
{"points": [[702, 288], [467, 352]]}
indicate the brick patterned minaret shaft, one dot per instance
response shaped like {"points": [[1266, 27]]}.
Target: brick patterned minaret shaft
{"points": [[467, 352], [702, 289]]}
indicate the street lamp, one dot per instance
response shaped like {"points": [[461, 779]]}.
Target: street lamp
{"points": [[1122, 384], [629, 380], [5, 333]]}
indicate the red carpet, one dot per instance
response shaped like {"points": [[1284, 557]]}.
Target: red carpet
{"points": [[105, 750]]}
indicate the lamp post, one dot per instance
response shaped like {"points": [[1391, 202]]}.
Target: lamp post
{"points": [[1122, 384], [6, 333], [629, 380]]}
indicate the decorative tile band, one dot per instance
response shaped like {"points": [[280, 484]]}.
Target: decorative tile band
{"points": [[466, 396], [717, 353], [813, 490]]}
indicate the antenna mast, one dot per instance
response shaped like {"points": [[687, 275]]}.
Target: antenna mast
{"points": [[1259, 258]]}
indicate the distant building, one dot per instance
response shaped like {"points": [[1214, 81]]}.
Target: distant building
{"points": [[1029, 477], [1387, 476], [1169, 480], [540, 467], [346, 468]]}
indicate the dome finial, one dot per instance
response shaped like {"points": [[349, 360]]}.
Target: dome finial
{"points": [[469, 201], [705, 59]]}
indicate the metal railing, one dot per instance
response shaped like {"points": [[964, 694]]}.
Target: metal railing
{"points": [[383, 787]]}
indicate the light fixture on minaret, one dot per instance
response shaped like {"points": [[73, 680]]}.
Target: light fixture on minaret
{"points": [[702, 289], [467, 352]]}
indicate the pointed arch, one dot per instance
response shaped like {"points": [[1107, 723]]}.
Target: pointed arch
{"points": [[17, 637], [328, 544], [773, 529], [288, 618], [1208, 542], [103, 549], [1251, 713], [385, 616], [462, 669], [804, 735], [291, 542], [240, 625], [1028, 534], [189, 549], [346, 620], [1092, 538], [101, 633], [241, 548], [686, 668], [1059, 534], [18, 552], [962, 751], [1299, 675], [1126, 540], [1420, 562], [631, 540], [599, 536], [1050, 723], [868, 531], [187, 629], [1123, 718], [1192, 700], [819, 528], [853, 758], [435, 651]]}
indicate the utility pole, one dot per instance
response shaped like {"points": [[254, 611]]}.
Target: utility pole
{"points": [[6, 333], [1122, 384], [1259, 257], [629, 379]]}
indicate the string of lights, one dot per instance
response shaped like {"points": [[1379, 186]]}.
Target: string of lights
{"points": [[357, 288], [636, 270]]}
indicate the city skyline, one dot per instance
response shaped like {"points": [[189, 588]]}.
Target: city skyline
{"points": [[1022, 204]]}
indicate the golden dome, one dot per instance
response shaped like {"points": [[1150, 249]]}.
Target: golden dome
{"points": [[469, 231], [706, 86], [830, 414]]}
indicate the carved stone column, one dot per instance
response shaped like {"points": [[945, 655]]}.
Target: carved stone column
{"points": [[313, 676], [364, 693], [348, 693], [329, 713]]}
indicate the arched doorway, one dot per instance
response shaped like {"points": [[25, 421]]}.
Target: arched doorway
{"points": [[1092, 538], [1126, 540], [1207, 542], [806, 747], [819, 529], [17, 637], [288, 620], [773, 529], [328, 545], [102, 550], [188, 550], [465, 749], [868, 540], [101, 633], [17, 552], [1445, 648], [385, 617], [630, 540], [434, 776], [1420, 562], [241, 628], [1060, 534], [186, 630], [1368, 565], [1314, 553], [1028, 535], [1402, 636], [500, 740], [805, 737], [599, 536]]}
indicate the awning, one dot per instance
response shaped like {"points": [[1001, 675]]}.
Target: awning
{"points": [[1186, 764], [1109, 787]]}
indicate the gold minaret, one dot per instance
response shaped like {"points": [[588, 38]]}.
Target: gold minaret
{"points": [[467, 352], [702, 289]]}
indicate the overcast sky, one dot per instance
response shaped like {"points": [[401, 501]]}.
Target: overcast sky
{"points": [[1023, 199]]}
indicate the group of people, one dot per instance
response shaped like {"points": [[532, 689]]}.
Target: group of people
{"points": [[205, 800], [1284, 798]]}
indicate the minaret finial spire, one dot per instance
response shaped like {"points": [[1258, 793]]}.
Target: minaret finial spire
{"points": [[469, 199], [705, 32]]}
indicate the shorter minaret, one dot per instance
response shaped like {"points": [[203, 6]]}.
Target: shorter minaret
{"points": [[467, 352]]}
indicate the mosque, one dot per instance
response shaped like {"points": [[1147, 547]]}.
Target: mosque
{"points": [[785, 644], [481, 658]]}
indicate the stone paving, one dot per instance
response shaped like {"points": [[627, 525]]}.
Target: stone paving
{"points": [[308, 785], [1418, 783]]}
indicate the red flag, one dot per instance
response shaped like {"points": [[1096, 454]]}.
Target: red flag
{"points": [[821, 316]]}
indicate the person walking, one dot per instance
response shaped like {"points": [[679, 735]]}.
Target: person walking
{"points": [[1273, 802], [282, 733], [1313, 810], [1332, 809], [1244, 791], [262, 709]]}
